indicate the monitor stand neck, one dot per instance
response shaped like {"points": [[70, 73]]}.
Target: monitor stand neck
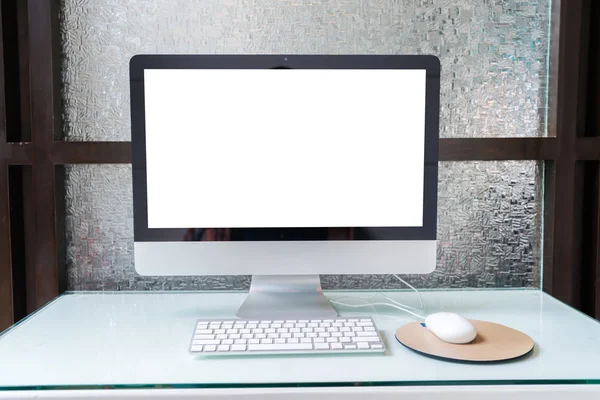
{"points": [[286, 297]]}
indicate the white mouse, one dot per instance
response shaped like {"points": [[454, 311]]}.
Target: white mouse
{"points": [[451, 328]]}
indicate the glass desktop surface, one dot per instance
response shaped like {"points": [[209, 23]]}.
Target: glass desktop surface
{"points": [[140, 340]]}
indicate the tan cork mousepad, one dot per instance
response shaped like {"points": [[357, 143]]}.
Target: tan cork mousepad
{"points": [[494, 342]]}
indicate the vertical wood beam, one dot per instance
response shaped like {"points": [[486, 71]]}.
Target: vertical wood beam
{"points": [[44, 78]]}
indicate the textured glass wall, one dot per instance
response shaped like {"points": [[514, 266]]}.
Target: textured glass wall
{"points": [[494, 72], [489, 232], [494, 52]]}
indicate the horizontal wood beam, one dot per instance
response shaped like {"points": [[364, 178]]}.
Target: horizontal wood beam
{"points": [[492, 149], [18, 153], [588, 148], [91, 152]]}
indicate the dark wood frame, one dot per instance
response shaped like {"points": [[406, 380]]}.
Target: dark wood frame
{"points": [[31, 259]]}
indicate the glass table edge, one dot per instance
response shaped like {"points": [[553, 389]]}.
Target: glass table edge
{"points": [[184, 386]]}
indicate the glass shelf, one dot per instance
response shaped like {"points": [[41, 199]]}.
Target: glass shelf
{"points": [[139, 340]]}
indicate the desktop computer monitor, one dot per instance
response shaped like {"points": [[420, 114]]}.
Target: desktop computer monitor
{"points": [[284, 168]]}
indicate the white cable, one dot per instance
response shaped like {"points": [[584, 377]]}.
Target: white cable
{"points": [[376, 304], [412, 287]]}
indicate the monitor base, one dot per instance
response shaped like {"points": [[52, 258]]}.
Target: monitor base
{"points": [[286, 297]]}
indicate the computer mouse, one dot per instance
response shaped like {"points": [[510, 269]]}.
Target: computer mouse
{"points": [[451, 328]]}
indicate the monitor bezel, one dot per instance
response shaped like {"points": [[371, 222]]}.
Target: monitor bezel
{"points": [[431, 64]]}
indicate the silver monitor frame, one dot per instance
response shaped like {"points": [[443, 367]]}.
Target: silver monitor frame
{"points": [[285, 281]]}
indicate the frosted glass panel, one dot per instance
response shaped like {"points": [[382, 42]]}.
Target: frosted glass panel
{"points": [[489, 232], [494, 53]]}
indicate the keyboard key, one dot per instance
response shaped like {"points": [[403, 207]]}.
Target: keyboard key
{"points": [[315, 321], [263, 325], [272, 335], [288, 325], [377, 346], [226, 326], [332, 329], [349, 347], [331, 340], [303, 321], [362, 345], [227, 341], [238, 347], [205, 342], [235, 336], [247, 336], [230, 331], [336, 346], [319, 330], [344, 329], [352, 320], [270, 330], [277, 326], [282, 330], [197, 348], [369, 329], [322, 346], [313, 325], [261, 336], [295, 330], [239, 326], [324, 334], [223, 348], [301, 325], [210, 348], [349, 334], [219, 331], [306, 330], [345, 340], [366, 333], [229, 322], [310, 334], [278, 322], [204, 332], [280, 341], [364, 324], [204, 337], [365, 320], [290, 321], [240, 341], [254, 322], [305, 340], [222, 336], [252, 325], [349, 324], [253, 341], [365, 339], [258, 330], [328, 320], [245, 331], [325, 325], [266, 341], [337, 324], [319, 340], [278, 347], [293, 340], [337, 334], [285, 335], [298, 335]]}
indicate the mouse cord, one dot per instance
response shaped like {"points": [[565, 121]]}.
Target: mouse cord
{"points": [[392, 303]]}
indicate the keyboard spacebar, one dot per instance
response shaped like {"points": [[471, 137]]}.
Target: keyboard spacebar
{"points": [[276, 347]]}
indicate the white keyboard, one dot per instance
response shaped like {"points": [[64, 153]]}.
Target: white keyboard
{"points": [[339, 335]]}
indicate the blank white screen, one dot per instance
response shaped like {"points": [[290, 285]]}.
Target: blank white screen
{"points": [[284, 148]]}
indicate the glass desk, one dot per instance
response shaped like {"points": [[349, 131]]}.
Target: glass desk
{"points": [[135, 343]]}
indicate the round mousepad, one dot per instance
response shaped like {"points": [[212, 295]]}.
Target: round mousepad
{"points": [[494, 342]]}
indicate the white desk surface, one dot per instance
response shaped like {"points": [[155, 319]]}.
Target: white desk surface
{"points": [[121, 340]]}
